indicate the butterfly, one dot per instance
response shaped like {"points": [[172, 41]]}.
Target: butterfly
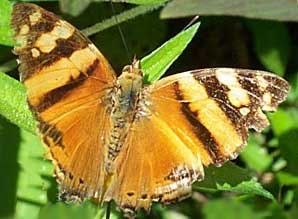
{"points": [[116, 138]]}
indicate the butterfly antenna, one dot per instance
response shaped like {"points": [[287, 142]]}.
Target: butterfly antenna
{"points": [[120, 31], [191, 22]]}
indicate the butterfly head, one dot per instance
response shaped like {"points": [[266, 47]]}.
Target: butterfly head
{"points": [[133, 69], [132, 76]]}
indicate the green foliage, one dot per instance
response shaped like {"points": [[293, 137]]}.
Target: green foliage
{"points": [[9, 146], [256, 156], [251, 187], [272, 44], [13, 104], [218, 176], [229, 208], [144, 1], [5, 30], [262, 183], [284, 120], [72, 211], [157, 63], [287, 179], [74, 7], [33, 177], [281, 10]]}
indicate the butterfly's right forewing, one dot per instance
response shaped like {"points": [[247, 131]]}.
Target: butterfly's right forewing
{"points": [[211, 110]]}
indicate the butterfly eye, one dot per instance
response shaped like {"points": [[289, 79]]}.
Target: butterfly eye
{"points": [[127, 69]]}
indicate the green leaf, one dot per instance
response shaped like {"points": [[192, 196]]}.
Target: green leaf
{"points": [[142, 2], [272, 44], [33, 179], [229, 209], [281, 10], [288, 149], [283, 120], [251, 187], [294, 210], [13, 104], [287, 179], [275, 211], [6, 32], [156, 63], [255, 156], [74, 211], [9, 145], [39, 0], [8, 66], [293, 80], [229, 173], [170, 214], [74, 7]]}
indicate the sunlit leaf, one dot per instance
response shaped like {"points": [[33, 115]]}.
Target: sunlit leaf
{"points": [[73, 211], [156, 63], [283, 120], [251, 187], [33, 179], [287, 179], [5, 29], [228, 173], [13, 104], [228, 209], [255, 156]]}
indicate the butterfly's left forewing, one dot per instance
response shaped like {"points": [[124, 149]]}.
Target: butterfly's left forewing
{"points": [[67, 81]]}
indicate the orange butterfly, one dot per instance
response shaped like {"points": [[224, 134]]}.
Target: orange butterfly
{"points": [[116, 138]]}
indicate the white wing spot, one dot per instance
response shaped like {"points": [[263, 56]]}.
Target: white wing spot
{"points": [[262, 83], [63, 30], [47, 41], [35, 53], [238, 97], [267, 98], [227, 76], [34, 18], [24, 30], [244, 111]]}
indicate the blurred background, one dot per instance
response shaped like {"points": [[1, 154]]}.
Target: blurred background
{"points": [[261, 183]]}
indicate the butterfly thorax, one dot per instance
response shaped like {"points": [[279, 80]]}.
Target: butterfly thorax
{"points": [[124, 109]]}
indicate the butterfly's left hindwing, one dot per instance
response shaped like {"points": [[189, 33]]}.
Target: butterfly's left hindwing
{"points": [[154, 165]]}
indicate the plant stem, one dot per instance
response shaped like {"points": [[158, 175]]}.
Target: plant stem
{"points": [[124, 16]]}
